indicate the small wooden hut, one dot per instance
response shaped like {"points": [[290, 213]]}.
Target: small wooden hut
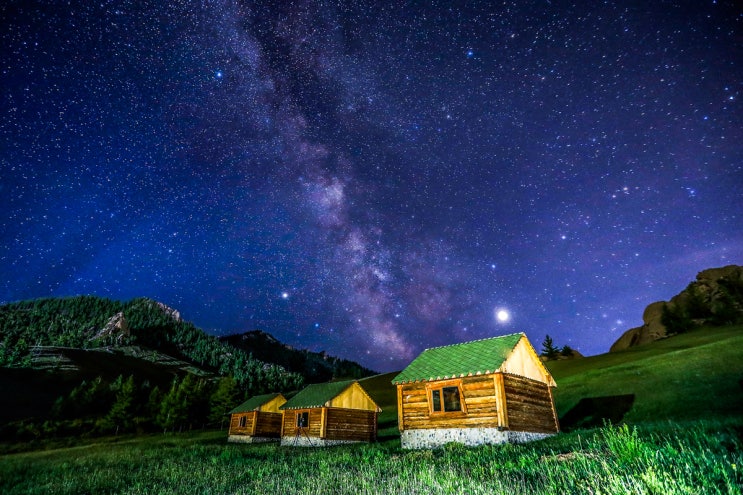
{"points": [[258, 419], [482, 392], [329, 414]]}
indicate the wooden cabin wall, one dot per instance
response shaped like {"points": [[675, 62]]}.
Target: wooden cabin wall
{"points": [[350, 424], [267, 424], [235, 428], [529, 405], [289, 427], [479, 399]]}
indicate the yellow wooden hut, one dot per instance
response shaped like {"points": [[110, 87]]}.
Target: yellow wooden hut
{"points": [[482, 392], [258, 419], [329, 414]]}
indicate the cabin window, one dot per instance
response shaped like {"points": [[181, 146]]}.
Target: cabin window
{"points": [[303, 419], [243, 421], [446, 397]]}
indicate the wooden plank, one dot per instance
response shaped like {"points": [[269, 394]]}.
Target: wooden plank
{"points": [[479, 392], [480, 401], [479, 382], [400, 424], [323, 422]]}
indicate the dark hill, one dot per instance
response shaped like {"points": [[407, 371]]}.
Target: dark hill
{"points": [[315, 367]]}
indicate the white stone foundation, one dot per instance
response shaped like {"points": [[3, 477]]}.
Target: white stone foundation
{"points": [[304, 441], [471, 437], [249, 439]]}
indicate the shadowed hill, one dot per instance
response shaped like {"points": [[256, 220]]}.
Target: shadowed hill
{"points": [[315, 367]]}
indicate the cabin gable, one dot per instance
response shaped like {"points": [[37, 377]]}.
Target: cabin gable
{"points": [[353, 397], [524, 361], [273, 404]]}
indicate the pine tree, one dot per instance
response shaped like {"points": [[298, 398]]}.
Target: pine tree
{"points": [[223, 399], [548, 348], [121, 415]]}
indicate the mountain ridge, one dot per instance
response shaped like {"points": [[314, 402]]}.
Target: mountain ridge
{"points": [[50, 325]]}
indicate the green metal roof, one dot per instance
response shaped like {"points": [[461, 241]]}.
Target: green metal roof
{"points": [[316, 395], [253, 403], [457, 360]]}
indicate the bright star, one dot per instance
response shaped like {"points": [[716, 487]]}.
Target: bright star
{"points": [[284, 295]]}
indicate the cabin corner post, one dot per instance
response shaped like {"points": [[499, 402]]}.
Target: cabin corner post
{"points": [[500, 400], [554, 410], [374, 425], [323, 422], [399, 408], [254, 424]]}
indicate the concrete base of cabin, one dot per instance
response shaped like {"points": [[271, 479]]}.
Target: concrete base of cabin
{"points": [[431, 439], [303, 441], [249, 439]]}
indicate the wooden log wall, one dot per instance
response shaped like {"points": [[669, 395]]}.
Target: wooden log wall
{"points": [[267, 424], [529, 405], [289, 427], [350, 424], [236, 429], [479, 399]]}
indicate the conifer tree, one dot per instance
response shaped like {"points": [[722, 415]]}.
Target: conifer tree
{"points": [[223, 399], [548, 348]]}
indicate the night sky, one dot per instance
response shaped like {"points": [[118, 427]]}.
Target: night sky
{"points": [[373, 178]]}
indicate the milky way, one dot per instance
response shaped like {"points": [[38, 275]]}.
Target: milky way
{"points": [[373, 179]]}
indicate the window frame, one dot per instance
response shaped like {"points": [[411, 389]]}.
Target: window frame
{"points": [[243, 421], [440, 386], [305, 415]]}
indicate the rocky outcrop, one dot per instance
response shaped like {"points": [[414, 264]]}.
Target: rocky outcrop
{"points": [[714, 298], [651, 330], [172, 313], [117, 329]]}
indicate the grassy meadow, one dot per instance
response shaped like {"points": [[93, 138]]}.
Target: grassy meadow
{"points": [[677, 459], [683, 434]]}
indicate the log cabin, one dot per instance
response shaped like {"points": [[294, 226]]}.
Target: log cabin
{"points": [[326, 414], [486, 391], [258, 419]]}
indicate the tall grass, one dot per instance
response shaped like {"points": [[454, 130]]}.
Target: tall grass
{"points": [[689, 458]]}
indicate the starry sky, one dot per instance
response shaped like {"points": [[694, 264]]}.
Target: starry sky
{"points": [[373, 178]]}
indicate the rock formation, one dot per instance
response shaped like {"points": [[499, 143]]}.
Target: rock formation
{"points": [[116, 329], [714, 298]]}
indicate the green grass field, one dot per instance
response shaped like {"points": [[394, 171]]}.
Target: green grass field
{"points": [[698, 458], [682, 435]]}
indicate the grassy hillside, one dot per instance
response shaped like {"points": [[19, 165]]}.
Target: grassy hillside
{"points": [[380, 389], [696, 375]]}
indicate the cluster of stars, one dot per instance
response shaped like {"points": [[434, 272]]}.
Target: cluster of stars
{"points": [[368, 179]]}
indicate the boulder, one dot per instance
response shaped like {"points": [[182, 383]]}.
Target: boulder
{"points": [[652, 329]]}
